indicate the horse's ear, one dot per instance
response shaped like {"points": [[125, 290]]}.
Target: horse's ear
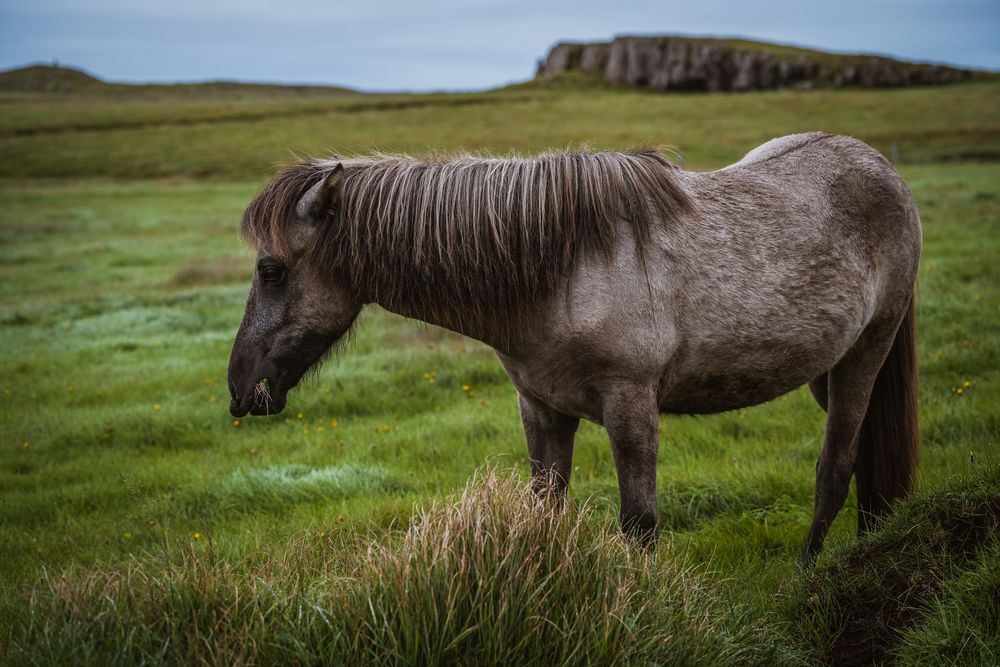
{"points": [[322, 198]]}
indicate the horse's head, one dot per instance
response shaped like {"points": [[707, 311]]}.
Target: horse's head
{"points": [[295, 310]]}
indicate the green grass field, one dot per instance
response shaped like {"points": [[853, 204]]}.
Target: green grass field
{"points": [[128, 495]]}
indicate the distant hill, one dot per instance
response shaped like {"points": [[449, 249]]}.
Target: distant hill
{"points": [[61, 79], [47, 78], [671, 62]]}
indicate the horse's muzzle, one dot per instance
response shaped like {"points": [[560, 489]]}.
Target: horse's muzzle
{"points": [[256, 405], [237, 409]]}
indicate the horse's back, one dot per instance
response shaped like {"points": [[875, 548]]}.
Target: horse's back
{"points": [[779, 146], [812, 188]]}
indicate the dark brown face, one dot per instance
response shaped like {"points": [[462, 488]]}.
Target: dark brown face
{"points": [[293, 315]]}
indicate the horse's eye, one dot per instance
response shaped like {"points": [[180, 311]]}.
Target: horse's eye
{"points": [[271, 273]]}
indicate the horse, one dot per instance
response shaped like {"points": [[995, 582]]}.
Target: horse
{"points": [[616, 286]]}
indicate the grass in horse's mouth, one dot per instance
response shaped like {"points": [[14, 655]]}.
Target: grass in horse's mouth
{"points": [[262, 392]]}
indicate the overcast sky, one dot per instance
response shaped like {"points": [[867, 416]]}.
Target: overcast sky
{"points": [[447, 44]]}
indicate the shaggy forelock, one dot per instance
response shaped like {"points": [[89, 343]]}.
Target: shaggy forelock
{"points": [[473, 238]]}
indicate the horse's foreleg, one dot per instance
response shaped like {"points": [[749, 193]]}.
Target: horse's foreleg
{"points": [[632, 419], [849, 387], [550, 446]]}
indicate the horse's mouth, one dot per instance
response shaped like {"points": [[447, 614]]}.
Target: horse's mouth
{"points": [[259, 400], [256, 407], [263, 390]]}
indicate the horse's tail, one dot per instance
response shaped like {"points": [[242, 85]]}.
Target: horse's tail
{"points": [[887, 445]]}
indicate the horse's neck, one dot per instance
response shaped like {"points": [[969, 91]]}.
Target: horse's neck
{"points": [[499, 334]]}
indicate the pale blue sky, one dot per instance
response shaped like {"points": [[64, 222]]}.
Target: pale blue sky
{"points": [[446, 44]]}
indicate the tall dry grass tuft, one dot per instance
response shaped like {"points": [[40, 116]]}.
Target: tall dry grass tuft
{"points": [[493, 576], [499, 576]]}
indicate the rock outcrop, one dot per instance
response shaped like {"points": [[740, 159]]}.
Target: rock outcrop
{"points": [[685, 63]]}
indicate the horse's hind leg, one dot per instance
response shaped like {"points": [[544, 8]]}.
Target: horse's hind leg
{"points": [[849, 386], [550, 437], [818, 387]]}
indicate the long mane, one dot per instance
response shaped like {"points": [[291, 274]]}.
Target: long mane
{"points": [[472, 238]]}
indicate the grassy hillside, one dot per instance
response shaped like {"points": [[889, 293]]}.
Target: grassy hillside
{"points": [[227, 139], [48, 79], [123, 284]]}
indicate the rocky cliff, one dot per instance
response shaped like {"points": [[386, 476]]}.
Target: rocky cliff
{"points": [[685, 63]]}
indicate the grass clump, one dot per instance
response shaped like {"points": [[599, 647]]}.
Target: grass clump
{"points": [[262, 392], [496, 577], [493, 576], [904, 590], [962, 626]]}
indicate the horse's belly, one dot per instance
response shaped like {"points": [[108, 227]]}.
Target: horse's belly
{"points": [[718, 392], [731, 376]]}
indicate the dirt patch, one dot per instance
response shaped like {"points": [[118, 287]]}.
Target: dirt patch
{"points": [[972, 156], [16, 319], [211, 272]]}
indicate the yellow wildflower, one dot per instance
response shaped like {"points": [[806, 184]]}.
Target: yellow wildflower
{"points": [[236, 423], [156, 406], [197, 536]]}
